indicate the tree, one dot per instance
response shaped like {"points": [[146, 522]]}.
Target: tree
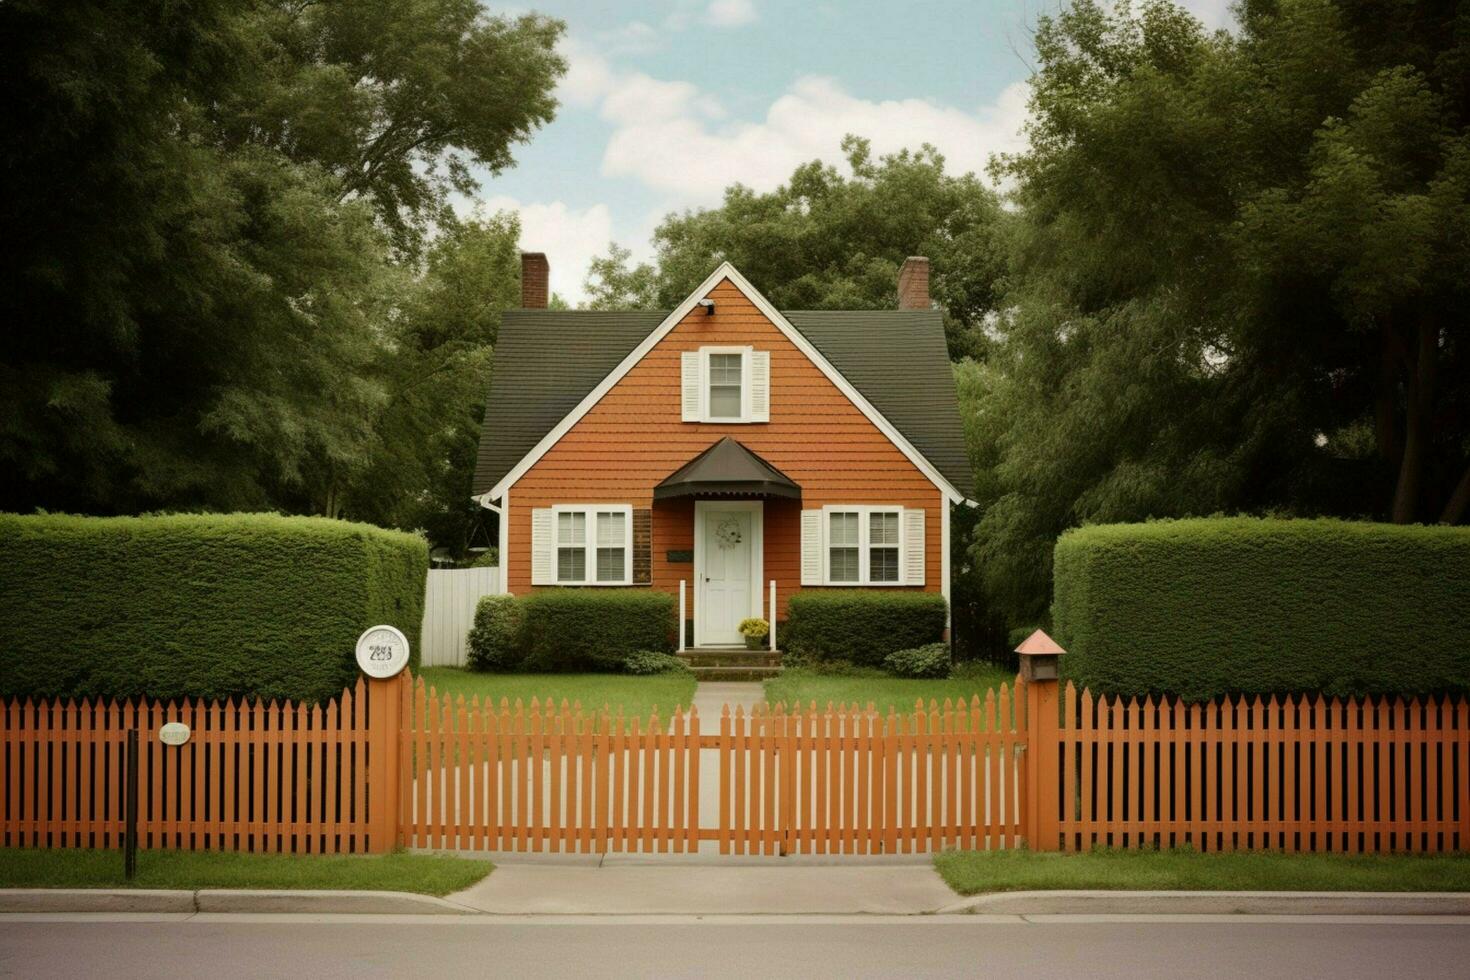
{"points": [[612, 285], [828, 241], [436, 370], [1234, 276], [396, 101], [214, 218]]}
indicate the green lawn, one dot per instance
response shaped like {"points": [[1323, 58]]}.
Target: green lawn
{"points": [[428, 874], [861, 686], [637, 696], [974, 872]]}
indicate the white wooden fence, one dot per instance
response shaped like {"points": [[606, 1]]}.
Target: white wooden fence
{"points": [[449, 612]]}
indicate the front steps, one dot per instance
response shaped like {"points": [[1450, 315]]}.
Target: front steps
{"points": [[732, 663]]}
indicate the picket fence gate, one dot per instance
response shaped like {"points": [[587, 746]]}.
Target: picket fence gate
{"points": [[543, 777], [394, 762]]}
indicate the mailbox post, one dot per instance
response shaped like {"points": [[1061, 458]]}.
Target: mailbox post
{"points": [[1040, 669]]}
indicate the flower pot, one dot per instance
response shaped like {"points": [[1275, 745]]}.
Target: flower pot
{"points": [[755, 643]]}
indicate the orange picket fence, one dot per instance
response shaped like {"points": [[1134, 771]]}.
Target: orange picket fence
{"points": [[1292, 774], [542, 777], [253, 777], [394, 762]]}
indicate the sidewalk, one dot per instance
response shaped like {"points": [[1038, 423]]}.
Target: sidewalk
{"points": [[707, 889], [540, 887]]}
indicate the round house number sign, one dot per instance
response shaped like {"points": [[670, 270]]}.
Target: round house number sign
{"points": [[382, 651], [173, 733]]}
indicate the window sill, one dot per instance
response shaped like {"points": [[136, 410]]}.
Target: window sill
{"points": [[727, 422], [595, 585], [867, 585]]}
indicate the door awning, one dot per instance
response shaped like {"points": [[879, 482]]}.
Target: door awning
{"points": [[727, 468]]}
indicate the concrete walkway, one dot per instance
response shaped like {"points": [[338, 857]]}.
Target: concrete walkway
{"points": [[530, 889], [710, 697]]}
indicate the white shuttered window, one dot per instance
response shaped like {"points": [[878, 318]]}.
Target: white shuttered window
{"points": [[575, 544], [862, 544], [726, 384]]}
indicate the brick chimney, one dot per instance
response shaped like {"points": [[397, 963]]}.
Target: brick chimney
{"points": [[913, 284], [535, 279]]}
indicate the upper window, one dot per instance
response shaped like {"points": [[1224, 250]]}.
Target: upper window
{"points": [[863, 545], [594, 545], [726, 386]]}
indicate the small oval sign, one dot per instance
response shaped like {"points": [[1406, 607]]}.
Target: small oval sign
{"points": [[382, 651], [174, 733]]}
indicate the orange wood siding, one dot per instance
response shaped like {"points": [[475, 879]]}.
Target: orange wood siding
{"points": [[634, 437]]}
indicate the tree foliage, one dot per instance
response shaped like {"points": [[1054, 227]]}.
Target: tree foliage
{"points": [[828, 240], [1237, 276], [215, 277]]}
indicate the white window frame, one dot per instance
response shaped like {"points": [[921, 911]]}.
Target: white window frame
{"points": [[590, 544], [865, 567], [705, 382]]}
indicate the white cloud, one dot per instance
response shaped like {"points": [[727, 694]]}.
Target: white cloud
{"points": [[637, 99], [731, 13], [676, 149], [676, 140], [589, 77], [635, 37], [571, 238]]}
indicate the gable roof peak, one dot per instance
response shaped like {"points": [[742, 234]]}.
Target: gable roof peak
{"points": [[814, 352]]}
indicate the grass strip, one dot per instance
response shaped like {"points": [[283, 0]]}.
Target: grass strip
{"points": [[977, 872], [426, 874]]}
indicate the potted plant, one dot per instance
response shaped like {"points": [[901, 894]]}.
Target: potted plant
{"points": [[755, 630]]}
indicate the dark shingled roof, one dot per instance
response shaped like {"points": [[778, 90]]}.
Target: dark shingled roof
{"points": [[727, 467], [546, 361]]}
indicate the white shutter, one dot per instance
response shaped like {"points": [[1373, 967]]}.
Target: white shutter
{"points": [[913, 547], [760, 386], [543, 571], [690, 373], [811, 547]]}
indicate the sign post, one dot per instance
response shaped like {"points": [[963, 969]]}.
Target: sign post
{"points": [[382, 653], [130, 832]]}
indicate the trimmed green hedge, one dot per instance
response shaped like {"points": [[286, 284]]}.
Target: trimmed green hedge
{"points": [[198, 605], [594, 629], [497, 640], [1202, 608], [861, 625]]}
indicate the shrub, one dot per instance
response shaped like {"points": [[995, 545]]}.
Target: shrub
{"points": [[754, 626], [199, 605], [489, 558], [930, 660], [496, 641], [594, 629], [654, 662], [1202, 608], [860, 625]]}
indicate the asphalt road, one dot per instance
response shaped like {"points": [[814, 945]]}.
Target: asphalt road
{"points": [[219, 947]]}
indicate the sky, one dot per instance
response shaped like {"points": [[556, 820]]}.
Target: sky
{"points": [[666, 102]]}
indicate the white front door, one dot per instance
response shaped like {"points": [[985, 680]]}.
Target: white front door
{"points": [[728, 539]]}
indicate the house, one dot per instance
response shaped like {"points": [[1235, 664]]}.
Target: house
{"points": [[726, 451]]}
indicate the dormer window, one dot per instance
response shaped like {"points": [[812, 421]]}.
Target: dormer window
{"points": [[727, 384]]}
